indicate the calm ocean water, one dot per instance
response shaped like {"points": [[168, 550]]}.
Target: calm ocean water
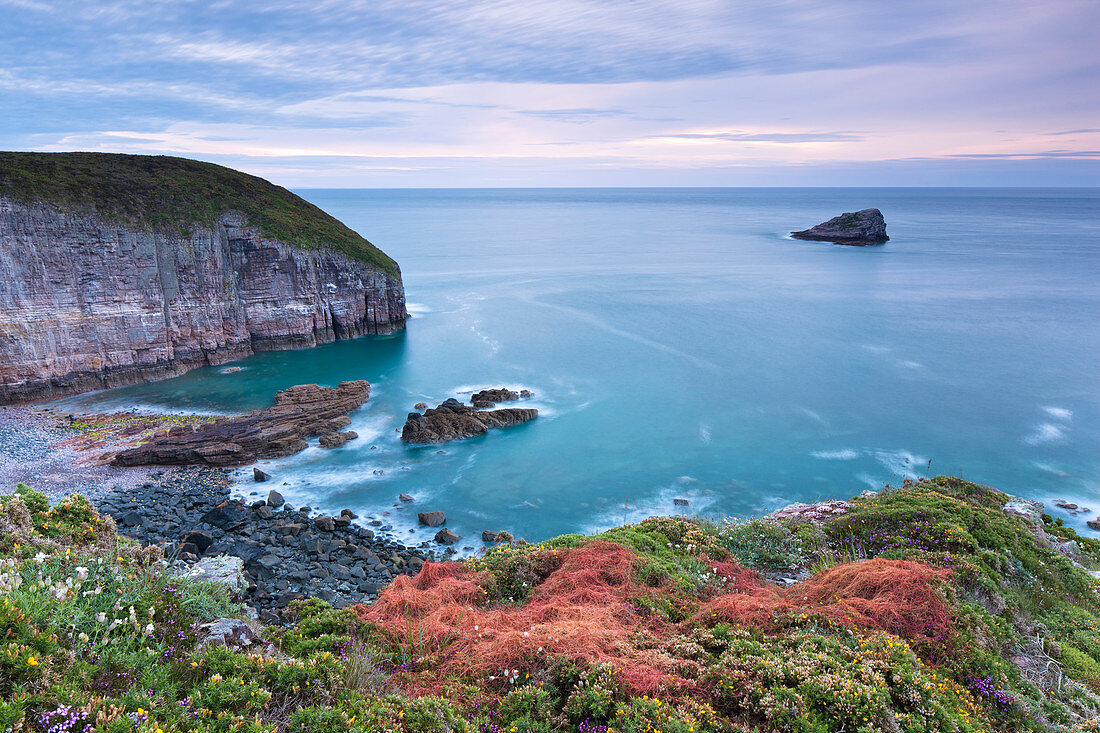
{"points": [[678, 344]]}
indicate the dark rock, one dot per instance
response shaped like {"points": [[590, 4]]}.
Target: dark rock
{"points": [[492, 396], [258, 504], [325, 524], [200, 539], [335, 440], [226, 516], [420, 406], [348, 513], [681, 502], [857, 228], [275, 499], [488, 536], [453, 420], [1094, 524], [130, 519], [258, 475], [504, 536], [446, 537], [432, 519], [264, 512], [278, 431]]}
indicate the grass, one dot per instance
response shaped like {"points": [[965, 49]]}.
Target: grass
{"points": [[925, 609], [175, 195]]}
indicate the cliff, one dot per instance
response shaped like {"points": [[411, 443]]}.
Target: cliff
{"points": [[117, 269]]}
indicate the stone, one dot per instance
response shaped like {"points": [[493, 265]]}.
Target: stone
{"points": [[1093, 524], [446, 537], [258, 475], [488, 536], [504, 536], [336, 439], [231, 633], [858, 228], [130, 519], [489, 397], [201, 539], [681, 502], [1028, 510], [325, 524], [227, 515], [420, 406], [219, 290], [453, 420], [431, 519], [348, 513], [404, 497], [275, 499], [263, 511], [230, 370], [299, 412], [225, 570]]}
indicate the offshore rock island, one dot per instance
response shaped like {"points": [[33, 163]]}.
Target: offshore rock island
{"points": [[859, 228], [119, 269]]}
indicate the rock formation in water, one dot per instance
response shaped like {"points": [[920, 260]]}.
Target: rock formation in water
{"points": [[857, 228], [489, 397], [453, 420], [117, 269], [274, 432]]}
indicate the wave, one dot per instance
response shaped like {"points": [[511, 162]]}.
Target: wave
{"points": [[417, 309], [1050, 469], [844, 454], [1059, 413], [1045, 433], [901, 462]]}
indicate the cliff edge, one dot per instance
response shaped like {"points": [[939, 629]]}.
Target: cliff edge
{"points": [[116, 269]]}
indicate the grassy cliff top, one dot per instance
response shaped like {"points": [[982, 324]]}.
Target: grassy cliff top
{"points": [[924, 608], [163, 192]]}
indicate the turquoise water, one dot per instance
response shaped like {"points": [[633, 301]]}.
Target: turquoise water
{"points": [[679, 344]]}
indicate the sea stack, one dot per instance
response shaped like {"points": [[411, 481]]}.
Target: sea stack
{"points": [[119, 269], [859, 228]]}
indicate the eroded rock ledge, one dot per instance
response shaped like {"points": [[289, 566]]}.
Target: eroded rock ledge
{"points": [[281, 430], [452, 420]]}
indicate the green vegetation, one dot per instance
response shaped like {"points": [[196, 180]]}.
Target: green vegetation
{"points": [[924, 608], [176, 194]]}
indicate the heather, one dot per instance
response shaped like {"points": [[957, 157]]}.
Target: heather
{"points": [[925, 607]]}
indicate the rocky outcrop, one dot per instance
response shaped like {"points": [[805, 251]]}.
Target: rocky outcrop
{"points": [[857, 228], [453, 420], [278, 431], [87, 303]]}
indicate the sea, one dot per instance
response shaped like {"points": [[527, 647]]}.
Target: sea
{"points": [[678, 344]]}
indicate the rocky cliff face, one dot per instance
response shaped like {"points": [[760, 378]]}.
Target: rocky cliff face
{"points": [[88, 304]]}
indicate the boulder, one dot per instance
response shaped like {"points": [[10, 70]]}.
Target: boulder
{"points": [[336, 439], [299, 412], [325, 524], [225, 570], [858, 228], [681, 502], [488, 397], [446, 537], [404, 497], [431, 519], [453, 420], [201, 539], [504, 536], [258, 475], [275, 499], [1094, 524], [420, 406], [1028, 510], [227, 516], [488, 536], [231, 633]]}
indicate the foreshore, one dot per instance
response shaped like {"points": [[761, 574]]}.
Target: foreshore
{"points": [[285, 552]]}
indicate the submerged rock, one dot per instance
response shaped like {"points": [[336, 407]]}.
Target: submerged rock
{"points": [[453, 420], [857, 228]]}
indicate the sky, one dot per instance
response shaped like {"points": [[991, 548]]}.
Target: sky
{"points": [[456, 93]]}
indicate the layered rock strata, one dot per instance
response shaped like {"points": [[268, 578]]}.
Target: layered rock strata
{"points": [[278, 431], [453, 420], [858, 228], [87, 303]]}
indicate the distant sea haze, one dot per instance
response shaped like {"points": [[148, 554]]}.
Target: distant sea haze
{"points": [[679, 344]]}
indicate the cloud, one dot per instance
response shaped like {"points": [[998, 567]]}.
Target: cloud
{"points": [[769, 137], [1043, 154]]}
